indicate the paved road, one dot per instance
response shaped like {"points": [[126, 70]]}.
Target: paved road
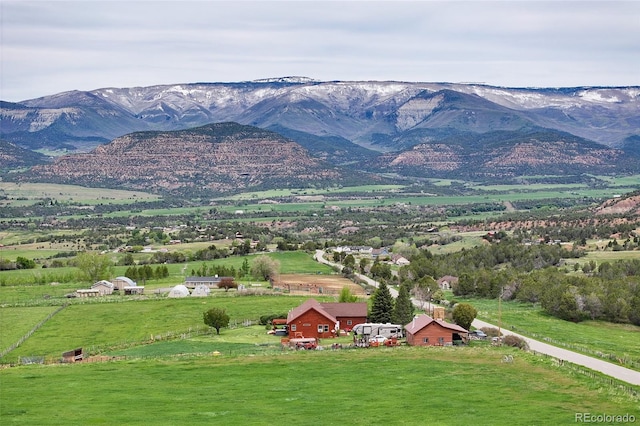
{"points": [[613, 370]]}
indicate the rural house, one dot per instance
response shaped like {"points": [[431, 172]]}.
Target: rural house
{"points": [[211, 282], [347, 314], [311, 320], [426, 331], [314, 319], [447, 282]]}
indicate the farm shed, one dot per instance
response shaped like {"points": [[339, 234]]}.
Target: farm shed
{"points": [[73, 355], [87, 292], [121, 282], [201, 291], [136, 289], [426, 331], [311, 320], [179, 291], [104, 287], [347, 314]]}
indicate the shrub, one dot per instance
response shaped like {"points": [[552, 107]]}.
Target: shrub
{"points": [[515, 341], [266, 319], [491, 331]]}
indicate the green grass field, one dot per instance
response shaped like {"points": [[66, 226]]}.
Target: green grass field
{"points": [[16, 322], [589, 337], [409, 386], [115, 321], [38, 191]]}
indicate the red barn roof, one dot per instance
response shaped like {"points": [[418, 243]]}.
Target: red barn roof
{"points": [[307, 306], [358, 309], [423, 321]]}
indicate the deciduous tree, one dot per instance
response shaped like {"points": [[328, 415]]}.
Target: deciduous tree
{"points": [[216, 318], [346, 296], [93, 266], [264, 267], [464, 314]]}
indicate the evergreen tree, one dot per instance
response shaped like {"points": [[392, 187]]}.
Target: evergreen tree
{"points": [[403, 311], [382, 307]]}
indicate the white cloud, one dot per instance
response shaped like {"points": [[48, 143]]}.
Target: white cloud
{"points": [[49, 47]]}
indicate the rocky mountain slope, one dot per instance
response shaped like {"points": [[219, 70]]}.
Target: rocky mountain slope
{"points": [[12, 156], [214, 158], [506, 154], [624, 205], [384, 116]]}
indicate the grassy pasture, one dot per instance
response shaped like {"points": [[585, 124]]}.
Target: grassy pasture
{"points": [[609, 256], [108, 322], [28, 285], [381, 386], [16, 322], [497, 197], [277, 193], [38, 191], [290, 262], [621, 181], [587, 337]]}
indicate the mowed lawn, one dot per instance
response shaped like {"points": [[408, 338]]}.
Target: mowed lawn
{"points": [[408, 386]]}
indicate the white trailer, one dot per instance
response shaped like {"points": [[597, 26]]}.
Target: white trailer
{"points": [[387, 330]]}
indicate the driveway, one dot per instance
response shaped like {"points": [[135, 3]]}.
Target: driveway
{"points": [[613, 370]]}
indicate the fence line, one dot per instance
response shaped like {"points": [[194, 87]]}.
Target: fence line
{"points": [[199, 330], [33, 330], [628, 389], [624, 360]]}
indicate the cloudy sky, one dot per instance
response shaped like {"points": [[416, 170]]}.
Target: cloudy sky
{"points": [[52, 46]]}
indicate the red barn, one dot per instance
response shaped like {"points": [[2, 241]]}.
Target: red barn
{"points": [[425, 331]]}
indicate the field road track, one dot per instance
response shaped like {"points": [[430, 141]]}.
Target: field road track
{"points": [[621, 373]]}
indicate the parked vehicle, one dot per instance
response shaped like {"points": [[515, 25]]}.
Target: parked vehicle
{"points": [[374, 329], [478, 334], [308, 343], [380, 339]]}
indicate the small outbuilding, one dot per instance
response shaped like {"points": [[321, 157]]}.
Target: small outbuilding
{"points": [[74, 355], [201, 291], [87, 292], [121, 282], [104, 287], [426, 331], [179, 291]]}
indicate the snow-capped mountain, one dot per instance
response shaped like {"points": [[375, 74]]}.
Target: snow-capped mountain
{"points": [[380, 115]]}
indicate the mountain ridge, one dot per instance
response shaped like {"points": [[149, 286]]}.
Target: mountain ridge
{"points": [[369, 113]]}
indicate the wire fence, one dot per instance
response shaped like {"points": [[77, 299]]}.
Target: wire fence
{"points": [[33, 330], [624, 360], [599, 377]]}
